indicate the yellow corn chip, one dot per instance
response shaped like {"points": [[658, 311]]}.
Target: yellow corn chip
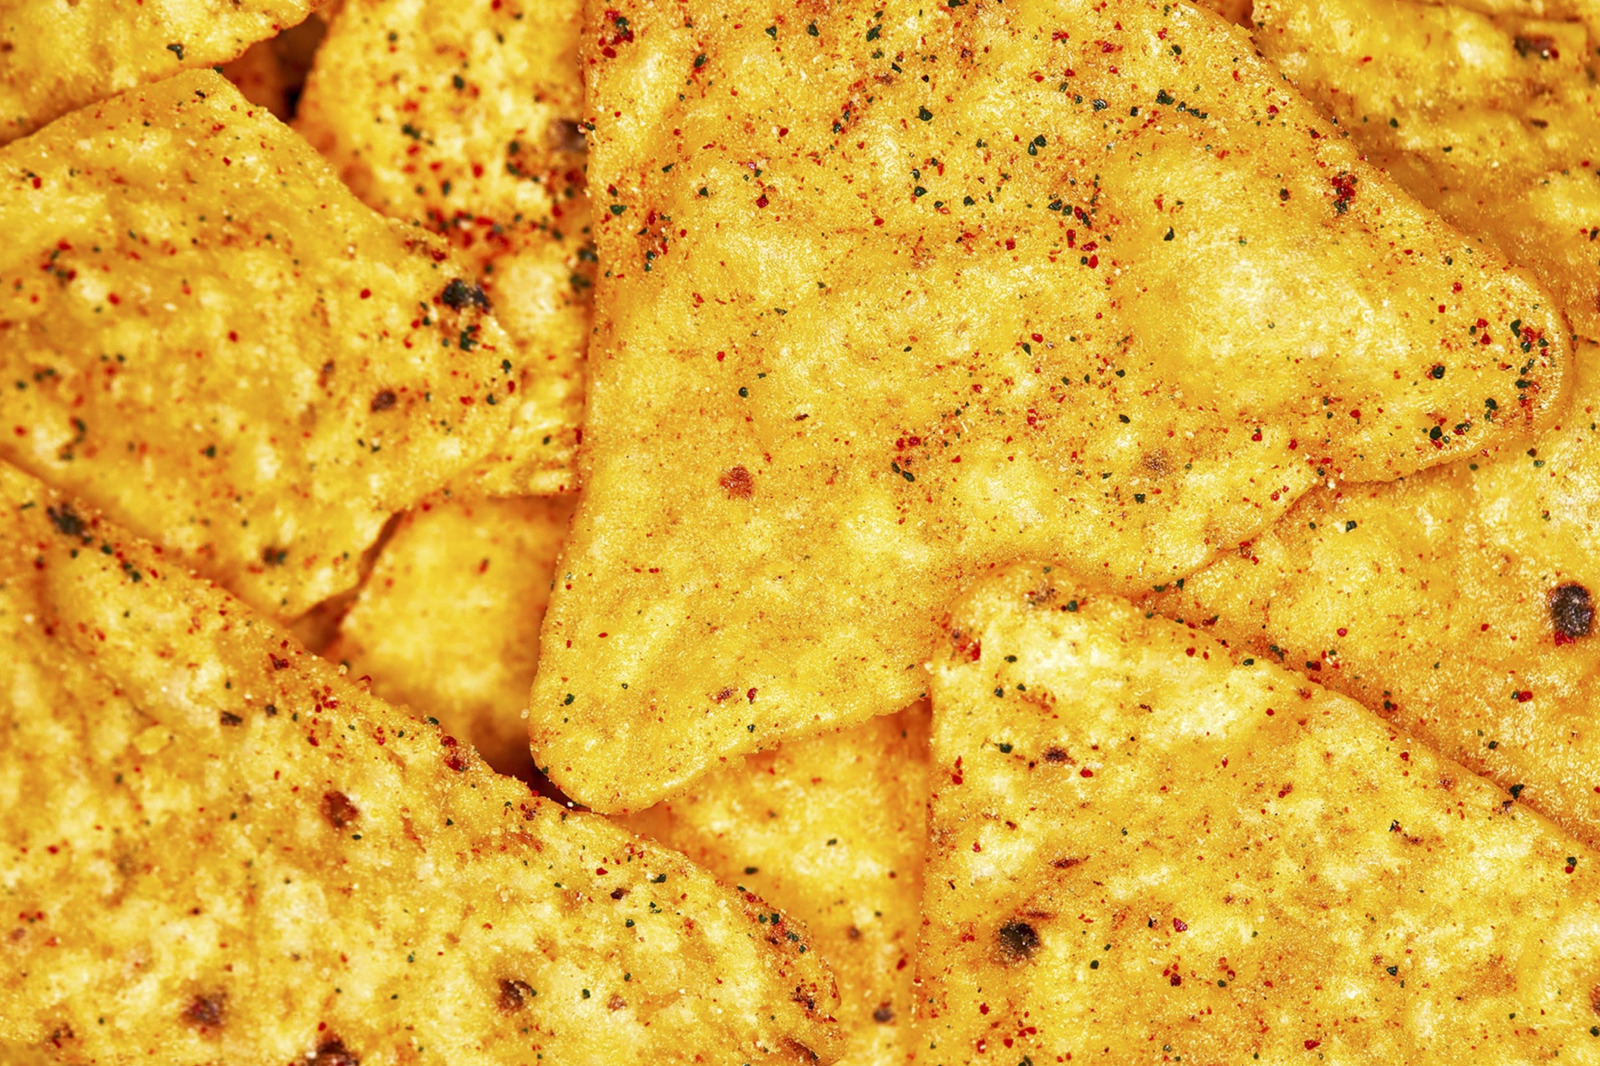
{"points": [[464, 117], [204, 333], [56, 56], [866, 335], [833, 831], [219, 850], [1491, 123], [1142, 851], [448, 621], [1456, 603]]}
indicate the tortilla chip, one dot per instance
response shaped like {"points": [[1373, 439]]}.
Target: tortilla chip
{"points": [[464, 118], [448, 621], [832, 830], [1491, 123], [862, 342], [63, 56], [204, 333], [1138, 844], [1456, 604], [219, 847]]}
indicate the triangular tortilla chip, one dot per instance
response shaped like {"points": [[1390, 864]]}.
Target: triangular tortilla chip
{"points": [[1492, 123], [1142, 851], [897, 293], [833, 830], [62, 56], [218, 847], [1459, 604], [203, 332], [448, 621], [464, 118]]}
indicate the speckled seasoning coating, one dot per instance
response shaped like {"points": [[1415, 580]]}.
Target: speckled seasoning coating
{"points": [[463, 116], [832, 830], [56, 56], [1431, 601], [951, 285], [203, 332], [1145, 847], [1490, 122], [217, 849]]}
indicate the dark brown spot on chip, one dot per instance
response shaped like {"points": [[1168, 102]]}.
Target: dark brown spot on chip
{"points": [[66, 520], [1536, 44], [514, 994], [884, 1014], [1056, 755], [738, 482], [616, 1002], [805, 999], [1016, 941], [1067, 863], [384, 400], [853, 933], [229, 718], [338, 810], [332, 1052], [274, 556], [1156, 462], [458, 294], [205, 1011], [618, 892], [1571, 611]]}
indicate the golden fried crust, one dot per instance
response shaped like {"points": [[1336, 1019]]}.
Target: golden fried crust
{"points": [[892, 298], [448, 621], [1457, 603], [217, 849], [204, 333], [464, 117], [1140, 842], [1490, 122], [832, 830], [61, 56]]}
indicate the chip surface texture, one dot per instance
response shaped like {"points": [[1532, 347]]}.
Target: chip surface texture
{"points": [[463, 116], [204, 333], [896, 293], [217, 849], [1142, 849]]}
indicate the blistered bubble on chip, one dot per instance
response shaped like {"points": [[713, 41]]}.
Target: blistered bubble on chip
{"points": [[62, 56], [464, 117], [218, 847], [1457, 604], [928, 276], [833, 830], [1491, 122], [197, 323], [1230, 862], [448, 620]]}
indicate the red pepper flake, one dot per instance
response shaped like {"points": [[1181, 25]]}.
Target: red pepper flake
{"points": [[1179, 925], [1344, 187], [1086, 772], [751, 695], [1523, 696], [762, 201], [1310, 1044], [366, 294], [277, 663]]}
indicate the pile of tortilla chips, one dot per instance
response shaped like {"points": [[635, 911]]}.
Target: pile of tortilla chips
{"points": [[997, 533]]}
